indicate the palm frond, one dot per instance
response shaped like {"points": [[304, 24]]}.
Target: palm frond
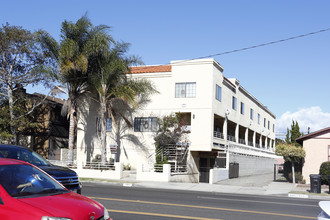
{"points": [[48, 43], [65, 108]]}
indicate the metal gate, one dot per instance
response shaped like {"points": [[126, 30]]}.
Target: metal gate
{"points": [[233, 170], [278, 171]]}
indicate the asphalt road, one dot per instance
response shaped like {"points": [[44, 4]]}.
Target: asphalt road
{"points": [[142, 203]]}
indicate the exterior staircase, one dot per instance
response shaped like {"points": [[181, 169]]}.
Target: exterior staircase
{"points": [[176, 155]]}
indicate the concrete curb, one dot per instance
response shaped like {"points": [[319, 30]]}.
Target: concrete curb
{"points": [[248, 187]]}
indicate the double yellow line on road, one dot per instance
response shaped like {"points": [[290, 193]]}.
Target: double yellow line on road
{"points": [[193, 206], [161, 215]]}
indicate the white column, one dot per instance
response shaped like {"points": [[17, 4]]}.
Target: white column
{"points": [[246, 136], [237, 133], [167, 172], [119, 170], [225, 132]]}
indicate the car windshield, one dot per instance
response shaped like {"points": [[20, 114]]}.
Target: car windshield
{"points": [[25, 180], [25, 155]]}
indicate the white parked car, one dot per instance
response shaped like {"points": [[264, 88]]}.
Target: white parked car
{"points": [[325, 213]]}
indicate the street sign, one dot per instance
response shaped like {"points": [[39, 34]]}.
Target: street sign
{"points": [[113, 148]]}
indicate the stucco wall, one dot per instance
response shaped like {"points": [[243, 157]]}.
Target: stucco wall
{"points": [[250, 165], [316, 153]]}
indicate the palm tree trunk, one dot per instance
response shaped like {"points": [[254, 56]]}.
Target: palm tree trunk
{"points": [[71, 139], [118, 143], [103, 122]]}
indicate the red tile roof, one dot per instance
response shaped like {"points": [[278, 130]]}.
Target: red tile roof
{"points": [[151, 69]]}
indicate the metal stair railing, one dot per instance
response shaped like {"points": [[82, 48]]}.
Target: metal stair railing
{"points": [[176, 155]]}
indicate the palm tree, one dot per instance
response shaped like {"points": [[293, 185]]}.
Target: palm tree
{"points": [[116, 94], [80, 46]]}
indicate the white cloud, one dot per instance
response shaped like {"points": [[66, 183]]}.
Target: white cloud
{"points": [[312, 117]]}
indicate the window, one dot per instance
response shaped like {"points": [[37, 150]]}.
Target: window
{"points": [[242, 108], [258, 118], [273, 127], [268, 125], [108, 124], [145, 124], [265, 122], [185, 90], [328, 152], [234, 103], [218, 93], [221, 159], [251, 113]]}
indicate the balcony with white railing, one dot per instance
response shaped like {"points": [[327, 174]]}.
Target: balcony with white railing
{"points": [[218, 134], [249, 150], [241, 141], [231, 138]]}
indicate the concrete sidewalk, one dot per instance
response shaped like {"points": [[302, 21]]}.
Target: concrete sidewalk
{"points": [[262, 184], [255, 185]]}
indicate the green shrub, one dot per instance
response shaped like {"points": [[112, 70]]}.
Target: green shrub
{"points": [[159, 162], [288, 171], [127, 167], [298, 177], [324, 172]]}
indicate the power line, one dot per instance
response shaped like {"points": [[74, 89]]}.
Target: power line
{"points": [[250, 47], [266, 44], [244, 48]]}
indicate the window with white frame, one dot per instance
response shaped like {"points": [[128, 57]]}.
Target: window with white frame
{"points": [[265, 122], [185, 90], [251, 113], [268, 125], [234, 104], [242, 108], [218, 93], [258, 118], [273, 127], [145, 124]]}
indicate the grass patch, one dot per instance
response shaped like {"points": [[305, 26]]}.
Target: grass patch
{"points": [[308, 193]]}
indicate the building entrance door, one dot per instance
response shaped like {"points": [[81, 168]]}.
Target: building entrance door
{"points": [[204, 170]]}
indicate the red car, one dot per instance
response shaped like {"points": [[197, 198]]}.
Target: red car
{"points": [[27, 192]]}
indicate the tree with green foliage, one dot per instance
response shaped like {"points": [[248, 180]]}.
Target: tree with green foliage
{"points": [[116, 94], [170, 132], [293, 133], [291, 153], [287, 137], [77, 54], [23, 62], [24, 123]]}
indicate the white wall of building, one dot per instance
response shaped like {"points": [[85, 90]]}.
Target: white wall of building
{"points": [[207, 73]]}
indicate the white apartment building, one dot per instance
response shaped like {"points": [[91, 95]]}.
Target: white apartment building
{"points": [[227, 124]]}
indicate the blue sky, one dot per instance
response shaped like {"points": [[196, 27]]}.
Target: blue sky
{"points": [[291, 78]]}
